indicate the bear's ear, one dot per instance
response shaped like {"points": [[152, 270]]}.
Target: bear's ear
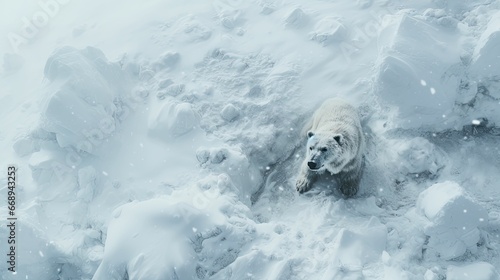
{"points": [[310, 134], [339, 139]]}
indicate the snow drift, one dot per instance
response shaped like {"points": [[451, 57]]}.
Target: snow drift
{"points": [[80, 104], [170, 149]]}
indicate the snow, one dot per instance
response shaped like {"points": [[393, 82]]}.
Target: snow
{"points": [[408, 47], [485, 54], [354, 250], [173, 119], [236, 171], [454, 220], [479, 271], [79, 105], [420, 156], [328, 30], [186, 232], [229, 112], [162, 140]]}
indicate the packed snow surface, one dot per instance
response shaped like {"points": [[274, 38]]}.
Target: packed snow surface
{"points": [[162, 139], [478, 271]]}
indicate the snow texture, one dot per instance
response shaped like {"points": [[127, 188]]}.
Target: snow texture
{"points": [[173, 119], [478, 271], [163, 140]]}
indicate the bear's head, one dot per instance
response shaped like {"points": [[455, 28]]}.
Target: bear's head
{"points": [[325, 152]]}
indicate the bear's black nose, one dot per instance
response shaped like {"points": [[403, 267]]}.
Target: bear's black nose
{"points": [[312, 165]]}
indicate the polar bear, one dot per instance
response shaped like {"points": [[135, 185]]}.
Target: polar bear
{"points": [[335, 143]]}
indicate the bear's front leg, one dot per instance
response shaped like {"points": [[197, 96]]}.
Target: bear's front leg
{"points": [[349, 183], [306, 179], [349, 189]]}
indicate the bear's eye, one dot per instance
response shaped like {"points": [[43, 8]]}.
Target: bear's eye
{"points": [[311, 148], [323, 149]]}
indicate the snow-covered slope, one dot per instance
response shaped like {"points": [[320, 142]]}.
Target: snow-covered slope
{"points": [[162, 140]]}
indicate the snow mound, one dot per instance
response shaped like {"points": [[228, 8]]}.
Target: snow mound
{"points": [[128, 245], [453, 220], [296, 19], [329, 30], [475, 271], [420, 157], [229, 112], [233, 163], [173, 119], [353, 250], [412, 70], [79, 103], [197, 240], [167, 61]]}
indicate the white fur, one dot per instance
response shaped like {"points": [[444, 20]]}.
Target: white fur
{"points": [[336, 144]]}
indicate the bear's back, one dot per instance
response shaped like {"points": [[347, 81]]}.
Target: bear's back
{"points": [[336, 112]]}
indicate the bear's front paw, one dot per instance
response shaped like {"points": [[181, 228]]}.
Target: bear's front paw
{"points": [[303, 185], [349, 190]]}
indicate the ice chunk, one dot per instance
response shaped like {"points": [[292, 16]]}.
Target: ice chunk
{"points": [[475, 271], [328, 30], [453, 218], [392, 269], [230, 18], [354, 249], [79, 102], [230, 112], [486, 57], [167, 61], [267, 8], [296, 19], [48, 167], [411, 51]]}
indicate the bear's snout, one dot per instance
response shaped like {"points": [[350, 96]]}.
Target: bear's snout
{"points": [[312, 165]]}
